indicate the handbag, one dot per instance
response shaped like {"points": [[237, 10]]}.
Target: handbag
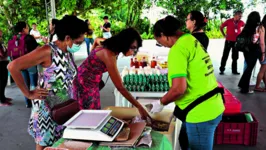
{"points": [[62, 112], [102, 84]]}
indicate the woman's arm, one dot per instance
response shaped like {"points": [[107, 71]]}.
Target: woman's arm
{"points": [[39, 56], [110, 61], [97, 42], [262, 42], [107, 29], [178, 89]]}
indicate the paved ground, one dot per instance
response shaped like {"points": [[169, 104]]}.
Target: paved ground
{"points": [[14, 120]]}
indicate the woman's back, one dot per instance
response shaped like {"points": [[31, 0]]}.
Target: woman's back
{"points": [[92, 68]]}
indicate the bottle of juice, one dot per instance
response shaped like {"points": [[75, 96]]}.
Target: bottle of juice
{"points": [[144, 62], [132, 62], [136, 63], [153, 62]]}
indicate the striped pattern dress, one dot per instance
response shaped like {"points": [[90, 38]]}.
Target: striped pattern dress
{"points": [[58, 80]]}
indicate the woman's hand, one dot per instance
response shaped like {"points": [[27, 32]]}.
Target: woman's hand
{"points": [[144, 114], [38, 94]]}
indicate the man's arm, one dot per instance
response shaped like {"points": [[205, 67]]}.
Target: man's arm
{"points": [[222, 28]]}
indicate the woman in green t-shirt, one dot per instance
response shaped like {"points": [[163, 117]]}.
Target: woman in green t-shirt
{"points": [[194, 88]]}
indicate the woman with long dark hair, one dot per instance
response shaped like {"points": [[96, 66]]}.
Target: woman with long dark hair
{"points": [[262, 73], [256, 32], [195, 23], [103, 59]]}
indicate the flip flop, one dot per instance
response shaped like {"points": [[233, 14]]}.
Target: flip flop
{"points": [[259, 90]]}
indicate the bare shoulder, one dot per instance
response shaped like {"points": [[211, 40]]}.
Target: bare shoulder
{"points": [[106, 55]]}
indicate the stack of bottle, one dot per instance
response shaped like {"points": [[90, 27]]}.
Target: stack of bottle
{"points": [[145, 79]]}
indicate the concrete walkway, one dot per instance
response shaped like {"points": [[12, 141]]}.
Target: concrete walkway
{"points": [[14, 119]]}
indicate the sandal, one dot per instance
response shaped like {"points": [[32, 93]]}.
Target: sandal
{"points": [[259, 90]]}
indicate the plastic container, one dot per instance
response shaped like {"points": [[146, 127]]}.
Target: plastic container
{"points": [[235, 129], [232, 104], [227, 92], [220, 85]]}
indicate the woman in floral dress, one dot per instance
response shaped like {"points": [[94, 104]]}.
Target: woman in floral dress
{"points": [[103, 59], [55, 79]]}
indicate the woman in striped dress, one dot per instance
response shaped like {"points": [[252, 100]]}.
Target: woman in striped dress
{"points": [[55, 80]]}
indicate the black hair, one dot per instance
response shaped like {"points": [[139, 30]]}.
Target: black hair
{"points": [[33, 24], [55, 21], [30, 43], [70, 25], [105, 17], [199, 18], [168, 26], [122, 41], [238, 12], [252, 23], [20, 26], [87, 20], [263, 22]]}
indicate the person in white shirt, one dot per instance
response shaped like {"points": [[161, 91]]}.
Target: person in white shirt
{"points": [[35, 33]]}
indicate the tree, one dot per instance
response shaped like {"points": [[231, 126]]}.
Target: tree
{"points": [[181, 8]]}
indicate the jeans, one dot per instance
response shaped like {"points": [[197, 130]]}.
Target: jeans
{"points": [[31, 79], [251, 60], [88, 42], [198, 136], [3, 80], [227, 47]]}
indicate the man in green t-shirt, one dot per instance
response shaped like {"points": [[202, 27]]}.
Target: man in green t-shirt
{"points": [[193, 86]]}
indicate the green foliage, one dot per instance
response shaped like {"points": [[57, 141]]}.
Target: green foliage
{"points": [[122, 13]]}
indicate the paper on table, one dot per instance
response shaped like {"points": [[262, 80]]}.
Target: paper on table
{"points": [[136, 130]]}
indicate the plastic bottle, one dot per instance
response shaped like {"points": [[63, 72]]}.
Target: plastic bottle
{"points": [[136, 63], [142, 88], [125, 72], [156, 78], [144, 62], [161, 87], [140, 79], [153, 88], [153, 62], [132, 62], [157, 87]]}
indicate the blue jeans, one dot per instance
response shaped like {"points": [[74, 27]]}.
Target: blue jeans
{"points": [[30, 78], [198, 136], [88, 42]]}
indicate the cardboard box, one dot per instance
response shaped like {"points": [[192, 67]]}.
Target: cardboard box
{"points": [[126, 113]]}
